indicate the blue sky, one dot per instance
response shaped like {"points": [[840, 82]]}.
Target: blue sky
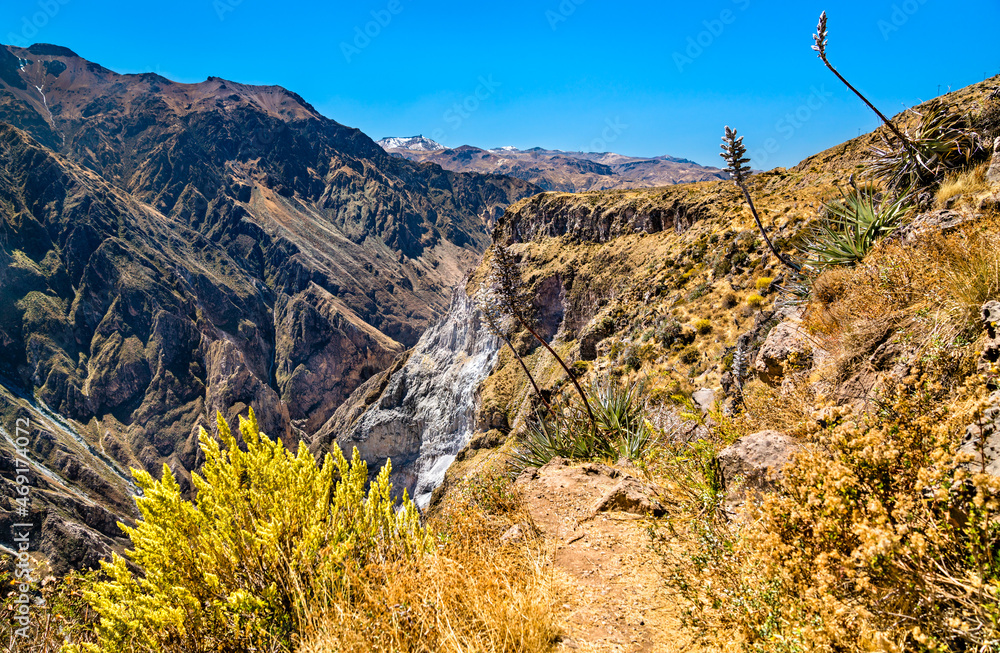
{"points": [[639, 78]]}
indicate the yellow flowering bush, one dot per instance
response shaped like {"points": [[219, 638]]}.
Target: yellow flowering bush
{"points": [[262, 548]]}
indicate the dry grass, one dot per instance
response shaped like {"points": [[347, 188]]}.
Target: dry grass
{"points": [[966, 183], [473, 593], [923, 299], [859, 550], [780, 409]]}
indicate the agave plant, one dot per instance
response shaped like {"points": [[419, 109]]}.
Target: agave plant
{"points": [[854, 224], [565, 436], [940, 142], [621, 430], [620, 418]]}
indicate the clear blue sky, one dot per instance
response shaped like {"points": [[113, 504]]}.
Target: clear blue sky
{"points": [[565, 74]]}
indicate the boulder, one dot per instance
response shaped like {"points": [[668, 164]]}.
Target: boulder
{"points": [[704, 399], [758, 458], [788, 346], [943, 221], [631, 496], [990, 358]]}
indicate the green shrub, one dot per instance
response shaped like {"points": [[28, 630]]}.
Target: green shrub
{"points": [[690, 355], [669, 332], [631, 359], [754, 300], [722, 266], [263, 546], [703, 326], [699, 290]]}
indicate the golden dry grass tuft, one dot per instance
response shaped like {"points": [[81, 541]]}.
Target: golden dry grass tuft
{"points": [[876, 540], [923, 299], [473, 593], [966, 183]]}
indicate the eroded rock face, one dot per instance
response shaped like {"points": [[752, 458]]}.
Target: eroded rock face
{"points": [[943, 221], [324, 353], [757, 458], [425, 413], [548, 215]]}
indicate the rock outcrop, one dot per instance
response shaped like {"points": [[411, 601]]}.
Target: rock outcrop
{"points": [[982, 440], [990, 359], [549, 215], [788, 347], [993, 172]]}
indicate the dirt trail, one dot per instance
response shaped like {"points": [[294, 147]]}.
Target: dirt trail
{"points": [[614, 595]]}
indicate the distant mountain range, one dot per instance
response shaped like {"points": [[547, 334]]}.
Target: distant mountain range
{"points": [[555, 170]]}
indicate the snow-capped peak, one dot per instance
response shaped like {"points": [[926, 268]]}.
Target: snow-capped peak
{"points": [[417, 142]]}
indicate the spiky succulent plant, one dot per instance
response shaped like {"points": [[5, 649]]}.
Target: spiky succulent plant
{"points": [[737, 164]]}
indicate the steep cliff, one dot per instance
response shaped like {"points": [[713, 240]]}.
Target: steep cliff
{"points": [[423, 413]]}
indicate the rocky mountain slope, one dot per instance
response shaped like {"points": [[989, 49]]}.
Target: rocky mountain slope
{"points": [[555, 170], [168, 250]]}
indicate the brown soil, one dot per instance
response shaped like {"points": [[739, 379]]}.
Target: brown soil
{"points": [[614, 598]]}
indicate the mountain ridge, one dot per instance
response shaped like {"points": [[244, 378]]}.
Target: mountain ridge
{"points": [[555, 170]]}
